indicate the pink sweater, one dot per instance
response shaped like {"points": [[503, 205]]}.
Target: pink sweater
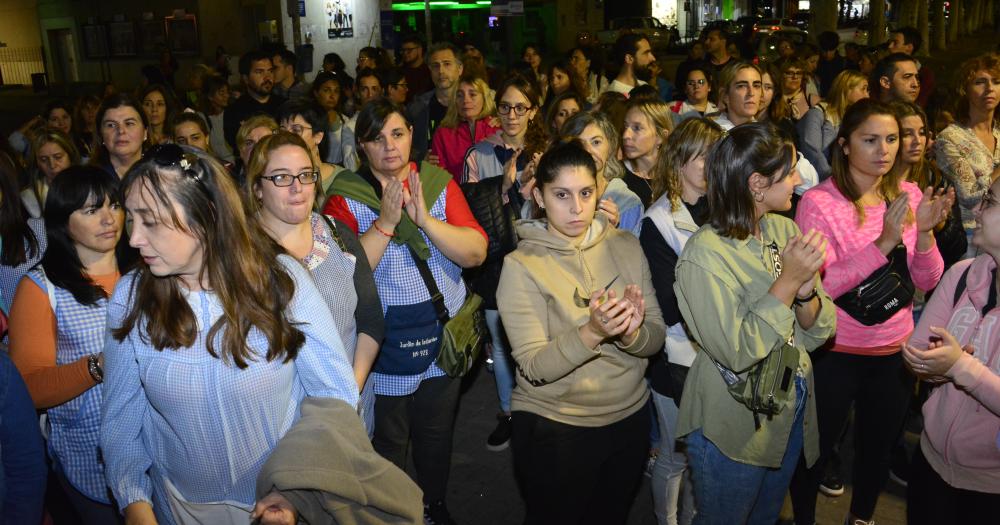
{"points": [[451, 144], [852, 256], [962, 417]]}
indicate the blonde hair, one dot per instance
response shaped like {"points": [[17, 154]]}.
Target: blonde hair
{"points": [[692, 137], [252, 123], [836, 100], [660, 116], [451, 119]]}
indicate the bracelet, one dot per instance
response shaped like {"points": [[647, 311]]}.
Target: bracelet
{"points": [[380, 230], [805, 300], [94, 367]]}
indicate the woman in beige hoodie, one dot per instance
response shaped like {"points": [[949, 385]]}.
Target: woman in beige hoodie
{"points": [[578, 303]]}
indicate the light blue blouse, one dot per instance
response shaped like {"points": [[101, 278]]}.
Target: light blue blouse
{"points": [[205, 425]]}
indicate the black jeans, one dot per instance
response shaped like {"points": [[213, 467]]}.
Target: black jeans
{"points": [[578, 475], [880, 388], [427, 417], [931, 500]]}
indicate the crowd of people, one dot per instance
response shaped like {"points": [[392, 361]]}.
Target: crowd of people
{"points": [[219, 309]]}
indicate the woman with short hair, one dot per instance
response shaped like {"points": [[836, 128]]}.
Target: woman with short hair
{"points": [[739, 86], [748, 288]]}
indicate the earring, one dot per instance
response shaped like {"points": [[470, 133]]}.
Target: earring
{"points": [[758, 196]]}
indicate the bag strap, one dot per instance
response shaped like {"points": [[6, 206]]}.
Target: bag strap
{"points": [[334, 233], [960, 287], [432, 288]]}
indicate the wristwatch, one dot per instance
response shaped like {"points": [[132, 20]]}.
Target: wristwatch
{"points": [[94, 367], [805, 300]]}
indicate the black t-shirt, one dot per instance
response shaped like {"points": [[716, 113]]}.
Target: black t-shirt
{"points": [[435, 113], [244, 108], [662, 265], [639, 186]]}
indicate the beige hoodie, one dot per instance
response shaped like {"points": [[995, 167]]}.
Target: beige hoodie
{"points": [[558, 377]]}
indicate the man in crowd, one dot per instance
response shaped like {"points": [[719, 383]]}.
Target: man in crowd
{"points": [[907, 40], [716, 50], [418, 75], [895, 77], [429, 108], [255, 70], [633, 55], [830, 62], [287, 84]]}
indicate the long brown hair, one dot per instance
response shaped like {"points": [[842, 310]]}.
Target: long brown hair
{"points": [[922, 173], [259, 158], [854, 117], [239, 263], [536, 138]]}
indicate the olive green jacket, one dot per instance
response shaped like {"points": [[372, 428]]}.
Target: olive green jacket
{"points": [[722, 291]]}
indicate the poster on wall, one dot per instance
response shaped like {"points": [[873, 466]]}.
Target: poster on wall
{"points": [[340, 19]]}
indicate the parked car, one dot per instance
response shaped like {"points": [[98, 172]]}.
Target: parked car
{"points": [[766, 45], [770, 25], [802, 20], [660, 36]]}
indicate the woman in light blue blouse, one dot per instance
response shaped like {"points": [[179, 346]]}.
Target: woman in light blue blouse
{"points": [[214, 342]]}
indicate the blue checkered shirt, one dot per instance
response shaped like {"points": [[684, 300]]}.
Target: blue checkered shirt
{"points": [[10, 276], [205, 425], [399, 283]]}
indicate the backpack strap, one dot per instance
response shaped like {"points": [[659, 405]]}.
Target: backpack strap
{"points": [[960, 286]]}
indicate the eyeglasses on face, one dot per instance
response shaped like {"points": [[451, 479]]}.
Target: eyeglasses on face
{"points": [[283, 180], [792, 74], [504, 109], [693, 83], [297, 128]]}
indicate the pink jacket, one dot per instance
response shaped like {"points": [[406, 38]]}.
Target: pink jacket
{"points": [[962, 417], [451, 144], [852, 256]]}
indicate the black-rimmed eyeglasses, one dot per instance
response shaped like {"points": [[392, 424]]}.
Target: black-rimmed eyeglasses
{"points": [[283, 180]]}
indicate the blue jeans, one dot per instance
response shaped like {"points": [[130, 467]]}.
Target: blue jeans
{"points": [[673, 499], [727, 491], [502, 370]]}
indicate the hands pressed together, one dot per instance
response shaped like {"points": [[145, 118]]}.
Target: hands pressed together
{"points": [[612, 317], [934, 362]]}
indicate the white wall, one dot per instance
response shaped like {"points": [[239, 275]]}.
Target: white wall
{"points": [[366, 32]]}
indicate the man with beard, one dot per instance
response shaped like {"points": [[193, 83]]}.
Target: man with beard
{"points": [[255, 69], [633, 54], [418, 75], [716, 50], [895, 77], [428, 109]]}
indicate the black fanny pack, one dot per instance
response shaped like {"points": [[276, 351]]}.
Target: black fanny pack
{"points": [[886, 291]]}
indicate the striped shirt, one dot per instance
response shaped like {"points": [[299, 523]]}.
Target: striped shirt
{"points": [[207, 426]]}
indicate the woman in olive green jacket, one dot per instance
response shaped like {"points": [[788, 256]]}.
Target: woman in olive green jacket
{"points": [[748, 289]]}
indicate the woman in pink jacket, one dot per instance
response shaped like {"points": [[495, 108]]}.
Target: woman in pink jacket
{"points": [[470, 118], [875, 221], [955, 472]]}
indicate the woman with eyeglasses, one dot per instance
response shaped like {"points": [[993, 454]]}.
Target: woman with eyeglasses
{"points": [[282, 185], [880, 231], [122, 132], [793, 93], [418, 233], [519, 142], [215, 340], [697, 87], [58, 327], [578, 303], [471, 117], [53, 152]]}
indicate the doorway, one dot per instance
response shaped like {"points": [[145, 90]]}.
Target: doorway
{"points": [[64, 56]]}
